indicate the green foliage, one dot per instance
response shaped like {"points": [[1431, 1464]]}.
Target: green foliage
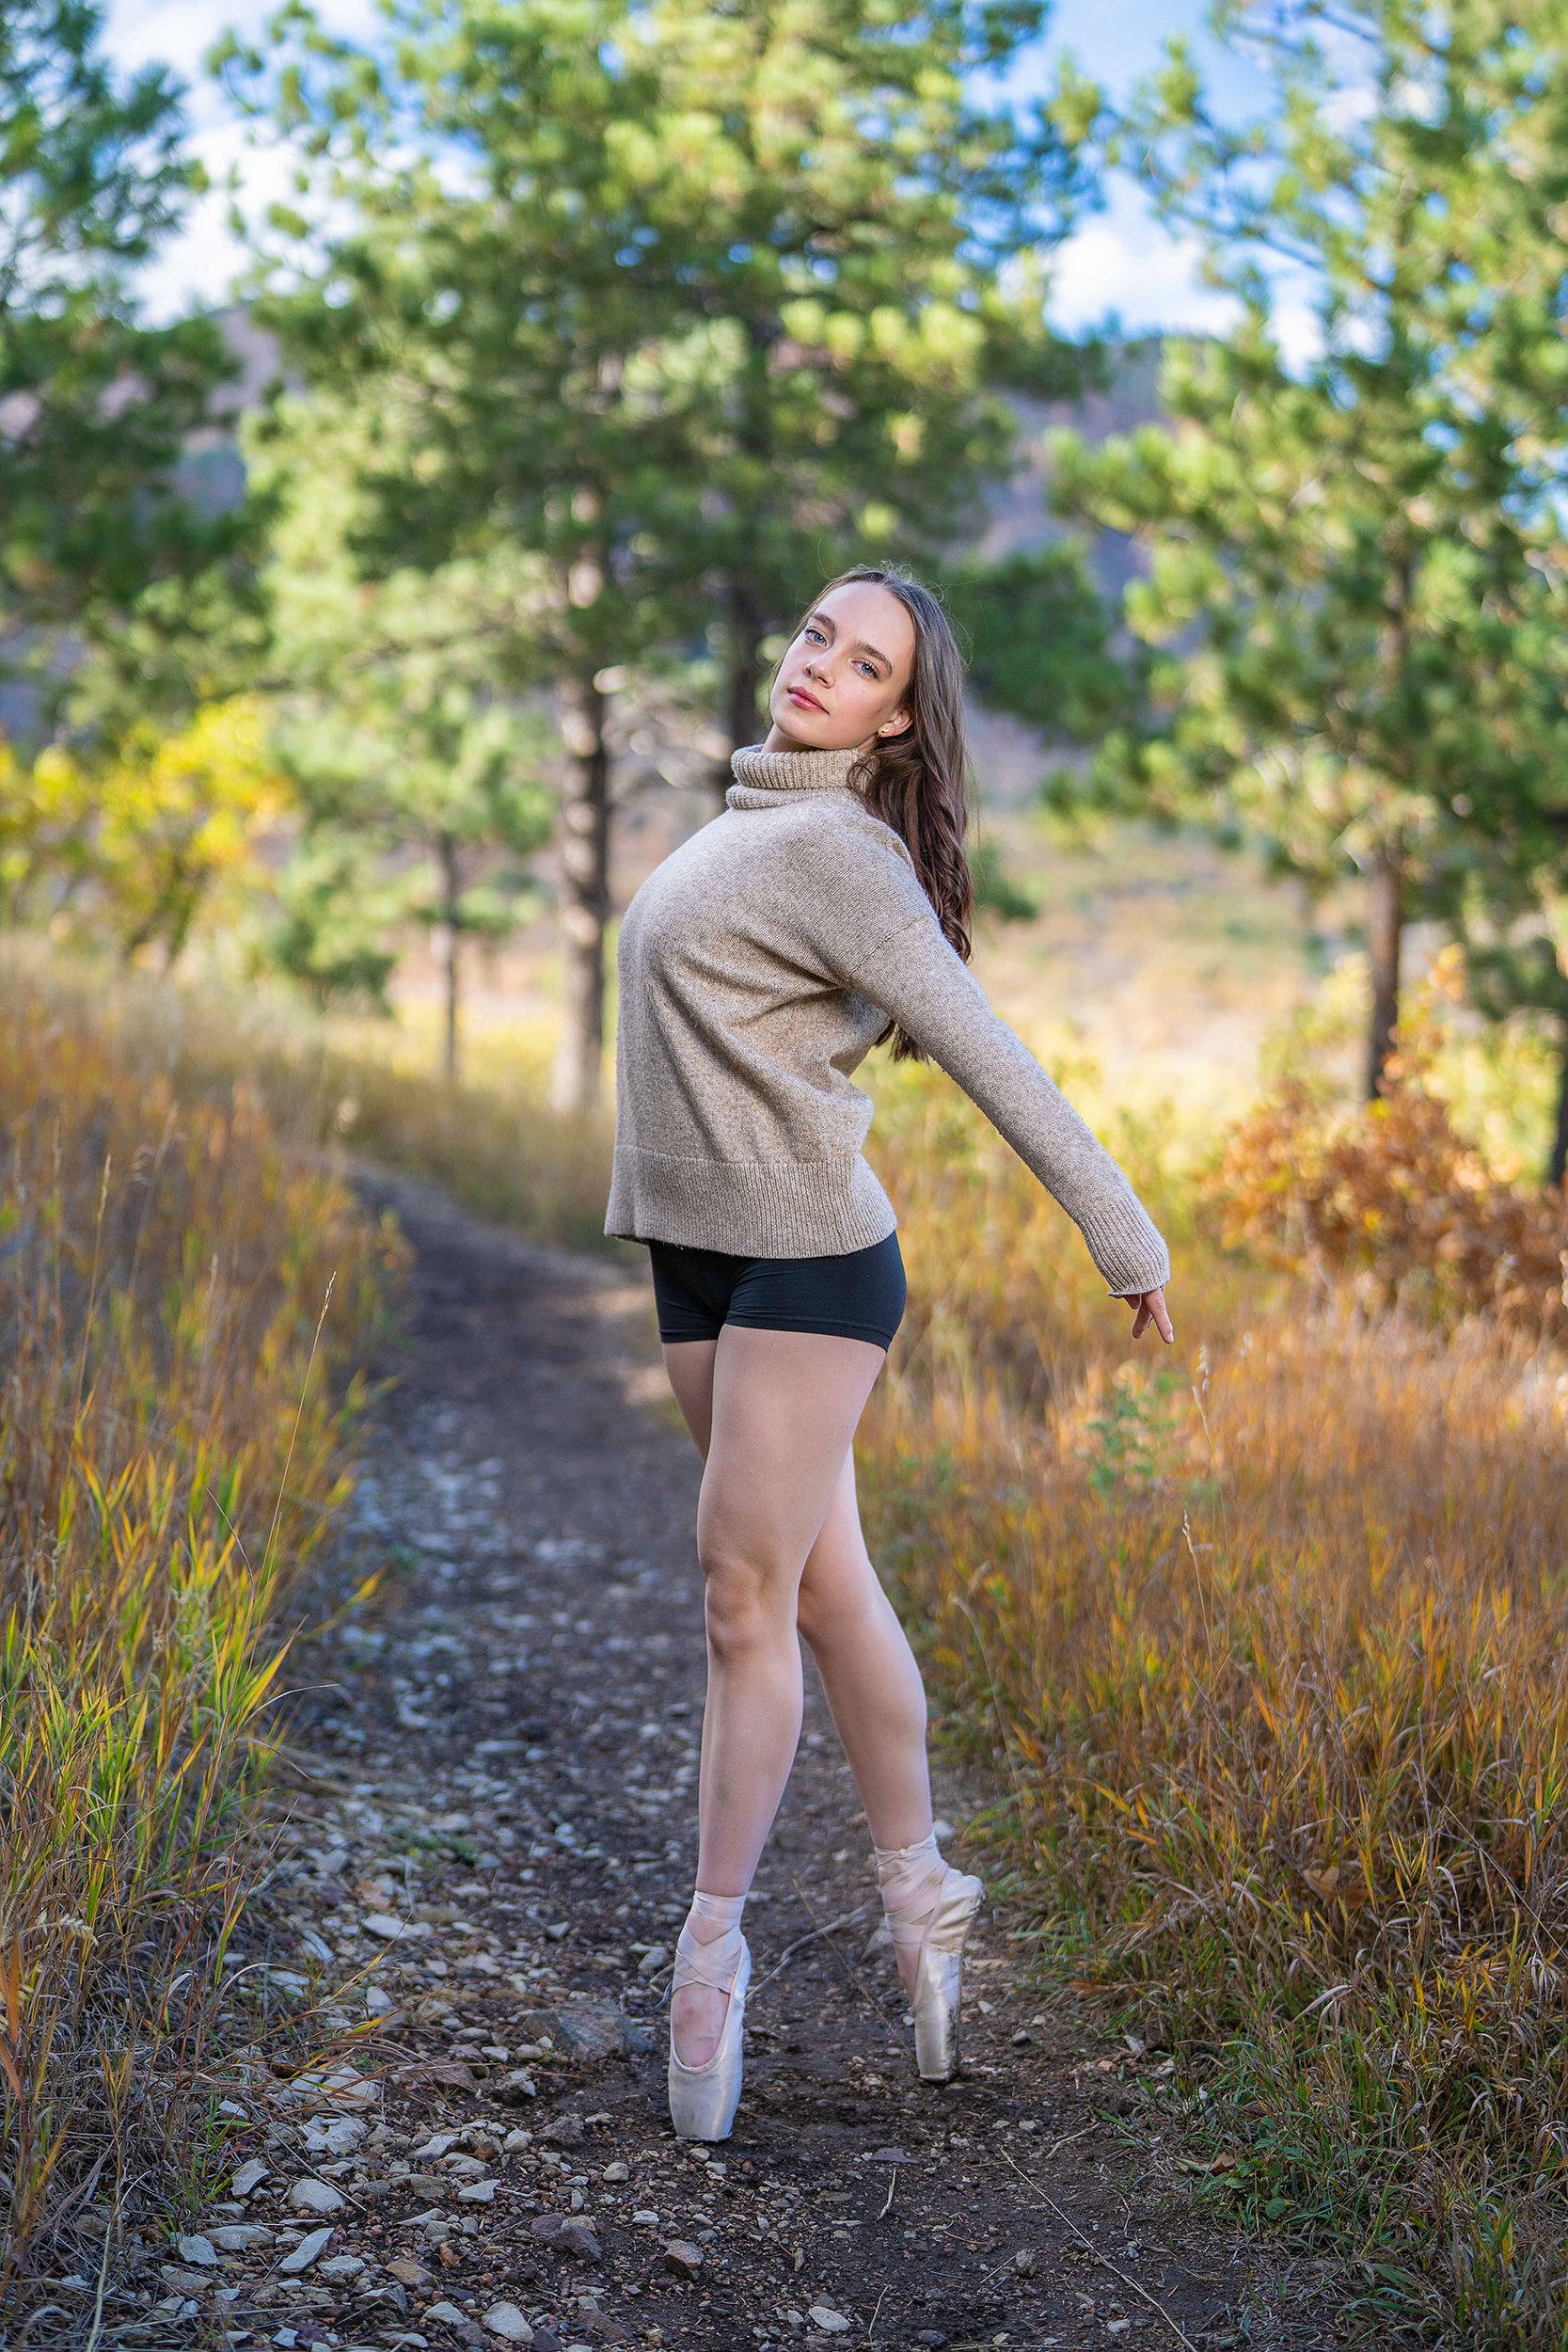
{"points": [[1356, 568], [1039, 644], [99, 407], [736, 270], [996, 891], [420, 786]]}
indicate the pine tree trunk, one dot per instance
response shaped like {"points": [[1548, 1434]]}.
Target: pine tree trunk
{"points": [[450, 893], [746, 634], [1558, 1167], [584, 896], [1384, 925]]}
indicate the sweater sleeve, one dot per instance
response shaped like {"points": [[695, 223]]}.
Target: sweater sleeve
{"points": [[918, 980]]}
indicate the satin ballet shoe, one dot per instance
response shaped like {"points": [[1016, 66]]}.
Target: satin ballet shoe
{"points": [[937, 1998], [703, 2099]]}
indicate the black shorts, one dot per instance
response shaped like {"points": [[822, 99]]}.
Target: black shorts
{"points": [[858, 1296]]}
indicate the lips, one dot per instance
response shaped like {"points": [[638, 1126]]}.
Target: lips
{"points": [[798, 695]]}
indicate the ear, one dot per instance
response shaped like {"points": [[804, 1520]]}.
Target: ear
{"points": [[899, 723]]}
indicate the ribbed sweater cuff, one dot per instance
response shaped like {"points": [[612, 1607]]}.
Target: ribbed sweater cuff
{"points": [[1126, 1245]]}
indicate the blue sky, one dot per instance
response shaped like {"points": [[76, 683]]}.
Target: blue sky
{"points": [[1120, 260]]}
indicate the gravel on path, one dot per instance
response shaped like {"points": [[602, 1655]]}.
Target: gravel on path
{"points": [[486, 1850]]}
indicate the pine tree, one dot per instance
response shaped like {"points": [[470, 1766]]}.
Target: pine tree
{"points": [[1364, 545], [686, 304], [98, 406]]}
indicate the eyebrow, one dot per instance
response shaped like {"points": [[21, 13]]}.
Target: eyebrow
{"points": [[858, 645]]}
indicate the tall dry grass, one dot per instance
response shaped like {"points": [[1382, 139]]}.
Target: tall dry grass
{"points": [[1272, 1635], [171, 1453], [493, 1142]]}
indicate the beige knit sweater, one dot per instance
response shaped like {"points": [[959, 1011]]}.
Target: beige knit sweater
{"points": [[758, 965]]}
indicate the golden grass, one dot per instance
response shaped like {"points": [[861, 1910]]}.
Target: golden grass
{"points": [[1272, 1634], [357, 1089], [171, 1436]]}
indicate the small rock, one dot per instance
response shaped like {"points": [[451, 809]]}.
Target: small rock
{"points": [[248, 2176], [518, 2085], [306, 2252], [514, 2140], [448, 2314], [830, 2322], [506, 2321], [616, 2172], [437, 2144], [563, 2131], [198, 2249], [337, 2138], [1024, 2260], [477, 2193], [596, 2323], [888, 2156], [683, 2259], [941, 1829], [557, 1930], [558, 2228], [235, 2113], [546, 2340], [343, 2266], [183, 2281], [409, 2274], [653, 1960], [646, 2213], [240, 2235], [312, 2196], [379, 2003], [392, 1931]]}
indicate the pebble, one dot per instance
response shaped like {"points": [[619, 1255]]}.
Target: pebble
{"points": [[198, 2249], [683, 2259], [409, 2273], [306, 2252], [558, 2228], [378, 2003], [312, 2196], [830, 2322], [239, 2235], [563, 2131], [250, 2176], [645, 2212], [392, 1931], [448, 2314], [506, 2321], [183, 2281], [616, 2172], [343, 2266], [477, 2193], [653, 1960]]}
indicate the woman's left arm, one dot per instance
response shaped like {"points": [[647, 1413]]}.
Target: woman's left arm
{"points": [[918, 980]]}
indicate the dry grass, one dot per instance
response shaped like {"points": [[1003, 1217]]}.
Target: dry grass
{"points": [[1272, 1634], [171, 1445], [356, 1088]]}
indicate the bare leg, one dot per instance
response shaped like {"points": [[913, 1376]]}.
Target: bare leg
{"points": [[870, 1676], [778, 1410]]}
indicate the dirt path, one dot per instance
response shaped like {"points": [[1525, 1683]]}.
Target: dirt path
{"points": [[493, 1816]]}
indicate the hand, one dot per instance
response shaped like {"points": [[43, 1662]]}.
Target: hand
{"points": [[1149, 1306]]}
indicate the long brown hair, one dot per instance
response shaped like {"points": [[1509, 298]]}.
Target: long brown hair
{"points": [[914, 782]]}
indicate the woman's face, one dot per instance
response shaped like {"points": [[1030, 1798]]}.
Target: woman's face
{"points": [[846, 677]]}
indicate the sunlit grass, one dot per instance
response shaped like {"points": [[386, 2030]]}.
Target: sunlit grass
{"points": [[171, 1440], [1271, 1637]]}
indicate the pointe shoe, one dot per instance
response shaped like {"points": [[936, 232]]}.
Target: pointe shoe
{"points": [[939, 1980], [703, 2099]]}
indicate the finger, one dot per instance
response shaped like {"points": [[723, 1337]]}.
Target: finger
{"points": [[1161, 1314], [1140, 1321]]}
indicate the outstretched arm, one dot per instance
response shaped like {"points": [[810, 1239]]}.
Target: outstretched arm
{"points": [[918, 980]]}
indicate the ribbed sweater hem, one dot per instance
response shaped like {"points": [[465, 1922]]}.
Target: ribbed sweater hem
{"points": [[748, 1208]]}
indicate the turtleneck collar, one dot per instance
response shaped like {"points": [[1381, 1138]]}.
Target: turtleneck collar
{"points": [[761, 777]]}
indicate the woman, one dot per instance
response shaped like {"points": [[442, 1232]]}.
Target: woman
{"points": [[827, 909]]}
